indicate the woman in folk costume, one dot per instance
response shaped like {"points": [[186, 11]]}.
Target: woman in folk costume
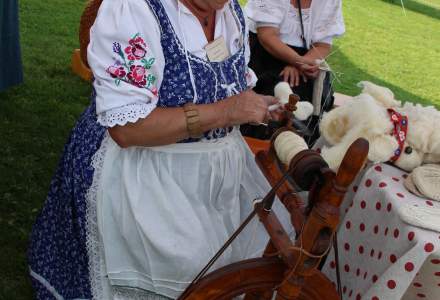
{"points": [[288, 39], [155, 176]]}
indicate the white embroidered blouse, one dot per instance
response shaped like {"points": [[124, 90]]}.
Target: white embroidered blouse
{"points": [[323, 21], [128, 29]]}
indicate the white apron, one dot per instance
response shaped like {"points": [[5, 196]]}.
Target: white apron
{"points": [[163, 212]]}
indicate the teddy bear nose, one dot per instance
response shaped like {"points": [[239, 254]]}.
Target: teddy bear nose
{"points": [[408, 150]]}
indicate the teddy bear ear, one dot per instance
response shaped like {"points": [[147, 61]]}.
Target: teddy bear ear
{"points": [[335, 124], [384, 96]]}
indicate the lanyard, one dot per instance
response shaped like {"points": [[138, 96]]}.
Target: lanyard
{"points": [[303, 38]]}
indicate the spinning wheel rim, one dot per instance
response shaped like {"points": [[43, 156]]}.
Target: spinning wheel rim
{"points": [[236, 279]]}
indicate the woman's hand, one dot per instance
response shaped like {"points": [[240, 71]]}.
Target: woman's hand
{"points": [[276, 114], [307, 67], [249, 107], [310, 71], [291, 75]]}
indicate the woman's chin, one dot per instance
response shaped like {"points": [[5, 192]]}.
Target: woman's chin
{"points": [[218, 4]]}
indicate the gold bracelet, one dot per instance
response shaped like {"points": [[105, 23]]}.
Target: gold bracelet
{"points": [[192, 120]]}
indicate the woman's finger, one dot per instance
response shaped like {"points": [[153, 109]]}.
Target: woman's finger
{"points": [[307, 68], [308, 73], [296, 78], [276, 115], [268, 116], [309, 61], [304, 77], [286, 75], [292, 78], [314, 74], [270, 100], [314, 68]]}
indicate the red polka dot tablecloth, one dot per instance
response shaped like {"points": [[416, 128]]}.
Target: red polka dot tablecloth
{"points": [[380, 256]]}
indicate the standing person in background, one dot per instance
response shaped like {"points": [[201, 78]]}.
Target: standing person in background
{"points": [[288, 38], [10, 58]]}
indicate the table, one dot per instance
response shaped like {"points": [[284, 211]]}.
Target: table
{"points": [[380, 256]]}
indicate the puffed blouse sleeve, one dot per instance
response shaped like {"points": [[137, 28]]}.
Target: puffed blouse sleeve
{"points": [[126, 58], [266, 12], [329, 22]]}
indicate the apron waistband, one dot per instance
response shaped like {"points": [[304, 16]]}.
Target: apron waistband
{"points": [[202, 146]]}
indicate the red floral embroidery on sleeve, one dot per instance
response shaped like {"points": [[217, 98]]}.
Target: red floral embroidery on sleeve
{"points": [[137, 49], [137, 75], [134, 67], [116, 72]]}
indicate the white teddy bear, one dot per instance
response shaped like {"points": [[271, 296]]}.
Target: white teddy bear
{"points": [[407, 135]]}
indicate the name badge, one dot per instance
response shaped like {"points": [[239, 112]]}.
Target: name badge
{"points": [[217, 50]]}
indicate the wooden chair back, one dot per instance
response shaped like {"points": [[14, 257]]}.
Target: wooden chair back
{"points": [[87, 19]]}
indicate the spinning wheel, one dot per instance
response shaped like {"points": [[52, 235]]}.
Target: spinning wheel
{"points": [[288, 270]]}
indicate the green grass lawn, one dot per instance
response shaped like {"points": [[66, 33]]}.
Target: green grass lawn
{"points": [[381, 44], [384, 45]]}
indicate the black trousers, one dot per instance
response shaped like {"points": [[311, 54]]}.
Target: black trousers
{"points": [[267, 68], [10, 56]]}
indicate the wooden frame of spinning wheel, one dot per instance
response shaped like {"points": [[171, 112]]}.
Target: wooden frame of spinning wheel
{"points": [[289, 268]]}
